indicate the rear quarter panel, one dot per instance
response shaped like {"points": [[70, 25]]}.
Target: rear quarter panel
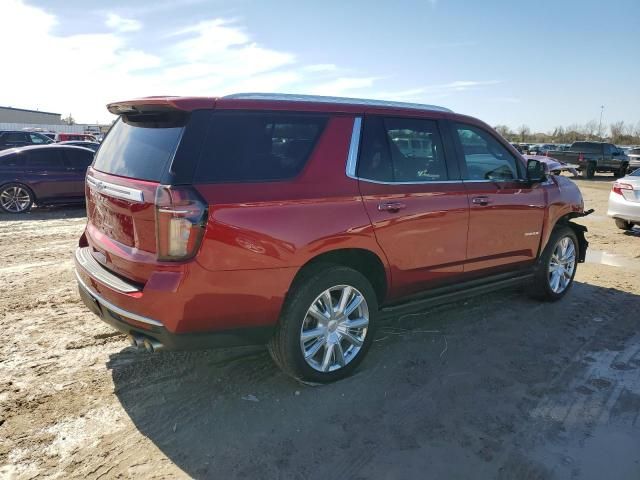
{"points": [[285, 224]]}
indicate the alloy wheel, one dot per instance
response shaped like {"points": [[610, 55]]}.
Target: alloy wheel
{"points": [[15, 199], [334, 328], [562, 265]]}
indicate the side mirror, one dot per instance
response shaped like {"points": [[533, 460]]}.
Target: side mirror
{"points": [[535, 171]]}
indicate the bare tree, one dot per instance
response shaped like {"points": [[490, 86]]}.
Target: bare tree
{"points": [[504, 131], [617, 131], [523, 131], [590, 129], [69, 120]]}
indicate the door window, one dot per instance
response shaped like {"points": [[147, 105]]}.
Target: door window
{"points": [[401, 150], [37, 139], [45, 159], [10, 138], [485, 158]]}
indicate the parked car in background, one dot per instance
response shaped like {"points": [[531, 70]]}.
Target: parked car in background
{"points": [[624, 201], [19, 138], [633, 154], [44, 175], [553, 166], [541, 149], [291, 220], [592, 157], [82, 143], [65, 137]]}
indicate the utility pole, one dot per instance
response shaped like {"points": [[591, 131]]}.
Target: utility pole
{"points": [[600, 124]]}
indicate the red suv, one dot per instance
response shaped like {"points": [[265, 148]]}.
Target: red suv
{"points": [[295, 221]]}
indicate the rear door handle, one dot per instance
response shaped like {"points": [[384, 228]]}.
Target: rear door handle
{"points": [[480, 201], [391, 206]]}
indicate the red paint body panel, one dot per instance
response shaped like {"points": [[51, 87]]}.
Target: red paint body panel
{"points": [[259, 235]]}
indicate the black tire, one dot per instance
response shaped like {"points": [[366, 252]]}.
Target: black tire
{"points": [[590, 170], [541, 288], [623, 224], [285, 345], [26, 194], [621, 172]]}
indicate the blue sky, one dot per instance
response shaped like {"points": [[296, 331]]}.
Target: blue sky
{"points": [[542, 63]]}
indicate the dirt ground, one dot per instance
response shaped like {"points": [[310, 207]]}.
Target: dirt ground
{"points": [[495, 387]]}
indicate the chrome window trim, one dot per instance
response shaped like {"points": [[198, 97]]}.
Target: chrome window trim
{"points": [[368, 102], [434, 182], [118, 310], [114, 190], [354, 146]]}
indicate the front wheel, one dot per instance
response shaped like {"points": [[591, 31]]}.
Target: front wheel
{"points": [[557, 265], [621, 172], [590, 170], [326, 327], [15, 198]]}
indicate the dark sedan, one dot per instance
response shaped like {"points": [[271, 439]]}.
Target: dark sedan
{"points": [[46, 175]]}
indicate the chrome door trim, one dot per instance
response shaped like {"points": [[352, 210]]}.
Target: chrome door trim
{"points": [[114, 190], [352, 157]]}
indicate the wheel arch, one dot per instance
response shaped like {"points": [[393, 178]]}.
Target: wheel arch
{"points": [[22, 184], [579, 230], [365, 261]]}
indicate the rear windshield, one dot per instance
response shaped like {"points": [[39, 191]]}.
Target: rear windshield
{"points": [[257, 146], [140, 147]]}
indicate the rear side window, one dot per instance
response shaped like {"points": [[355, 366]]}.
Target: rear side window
{"points": [[257, 147], [485, 157], [401, 150], [141, 147], [14, 137], [78, 159], [587, 147], [45, 159]]}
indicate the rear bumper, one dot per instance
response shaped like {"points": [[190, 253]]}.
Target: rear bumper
{"points": [[138, 326], [188, 307], [621, 208]]}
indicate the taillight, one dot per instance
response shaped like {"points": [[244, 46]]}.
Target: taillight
{"points": [[619, 187], [181, 218]]}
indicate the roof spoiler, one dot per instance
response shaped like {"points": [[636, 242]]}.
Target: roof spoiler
{"points": [[157, 104]]}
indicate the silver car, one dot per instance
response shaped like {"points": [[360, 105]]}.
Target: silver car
{"points": [[624, 201], [634, 158]]}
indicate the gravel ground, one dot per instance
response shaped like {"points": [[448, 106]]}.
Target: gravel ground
{"points": [[495, 387]]}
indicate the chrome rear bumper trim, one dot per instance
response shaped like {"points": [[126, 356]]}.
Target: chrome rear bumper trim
{"points": [[84, 256], [110, 306]]}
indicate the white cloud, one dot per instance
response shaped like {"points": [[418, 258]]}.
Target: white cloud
{"points": [[213, 57], [121, 24]]}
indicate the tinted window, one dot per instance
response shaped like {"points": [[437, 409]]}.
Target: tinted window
{"points": [[634, 151], [401, 150], [485, 158], [14, 137], [78, 159], [45, 158], [141, 147], [587, 147], [253, 147]]}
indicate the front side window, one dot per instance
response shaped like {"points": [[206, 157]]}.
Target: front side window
{"points": [[14, 137], [38, 139], [485, 158], [257, 147], [401, 150]]}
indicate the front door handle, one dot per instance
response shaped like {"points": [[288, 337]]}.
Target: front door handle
{"points": [[480, 201], [391, 206]]}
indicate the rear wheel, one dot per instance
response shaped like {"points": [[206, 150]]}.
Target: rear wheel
{"points": [[590, 170], [15, 198], [557, 265], [326, 327], [623, 224]]}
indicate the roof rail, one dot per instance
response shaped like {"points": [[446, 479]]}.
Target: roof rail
{"points": [[287, 97]]}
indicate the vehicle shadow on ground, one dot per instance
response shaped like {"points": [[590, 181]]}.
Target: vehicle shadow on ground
{"points": [[47, 213], [455, 391]]}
